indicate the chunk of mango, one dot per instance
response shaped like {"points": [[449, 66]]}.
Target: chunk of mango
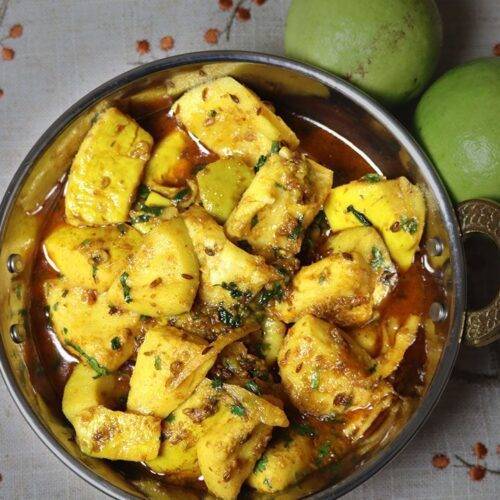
{"points": [[231, 120], [221, 185], [280, 203], [338, 288], [106, 171], [91, 257], [88, 327], [162, 278], [395, 207]]}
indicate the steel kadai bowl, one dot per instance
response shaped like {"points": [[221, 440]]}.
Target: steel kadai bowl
{"points": [[327, 101]]}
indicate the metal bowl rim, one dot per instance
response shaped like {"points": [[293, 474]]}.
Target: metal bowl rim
{"points": [[447, 361]]}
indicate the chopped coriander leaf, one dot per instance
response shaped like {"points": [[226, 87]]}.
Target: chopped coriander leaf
{"points": [[265, 296], [155, 211], [260, 163], [122, 228], [228, 319], [279, 186], [238, 410], [217, 383], [305, 430], [93, 363], [263, 375], [254, 221], [261, 464], [170, 418], [141, 218], [85, 242], [409, 225], [377, 260], [315, 380], [116, 343], [275, 147], [323, 452], [157, 363], [65, 292], [143, 317], [371, 178], [143, 191], [65, 330], [359, 215], [267, 482], [296, 230], [212, 113], [180, 195], [253, 387], [232, 287], [55, 306], [94, 272], [372, 368], [126, 288]]}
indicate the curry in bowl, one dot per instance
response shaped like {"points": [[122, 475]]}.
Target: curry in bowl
{"points": [[230, 300]]}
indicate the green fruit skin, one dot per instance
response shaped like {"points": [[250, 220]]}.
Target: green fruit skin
{"points": [[458, 123], [388, 48]]}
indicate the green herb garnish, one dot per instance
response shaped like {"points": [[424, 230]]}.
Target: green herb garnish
{"points": [[93, 363], [323, 452], [94, 272], [55, 306], [265, 296], [359, 215], [377, 260], [154, 210], [238, 410], [65, 330], [409, 225], [253, 387], [122, 228], [143, 191], [305, 430], [126, 288], [141, 218], [157, 363], [180, 195], [275, 147], [116, 343], [296, 230], [170, 418], [229, 319], [371, 178], [267, 483], [260, 163], [254, 221], [234, 291], [217, 383], [261, 464], [315, 380]]}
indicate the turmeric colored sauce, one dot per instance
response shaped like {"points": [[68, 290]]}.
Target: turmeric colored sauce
{"points": [[415, 291]]}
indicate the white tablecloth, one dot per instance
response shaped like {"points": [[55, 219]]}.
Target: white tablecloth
{"points": [[69, 47]]}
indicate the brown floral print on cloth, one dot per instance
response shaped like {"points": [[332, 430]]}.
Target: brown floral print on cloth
{"points": [[239, 11], [15, 31], [476, 471], [496, 49]]}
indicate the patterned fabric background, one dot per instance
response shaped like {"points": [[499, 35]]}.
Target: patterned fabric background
{"points": [[54, 51]]}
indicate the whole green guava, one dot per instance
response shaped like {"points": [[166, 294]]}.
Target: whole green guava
{"points": [[388, 48], [458, 123]]}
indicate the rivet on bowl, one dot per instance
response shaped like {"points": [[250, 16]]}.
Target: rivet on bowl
{"points": [[437, 312], [18, 333], [434, 247], [14, 263]]}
